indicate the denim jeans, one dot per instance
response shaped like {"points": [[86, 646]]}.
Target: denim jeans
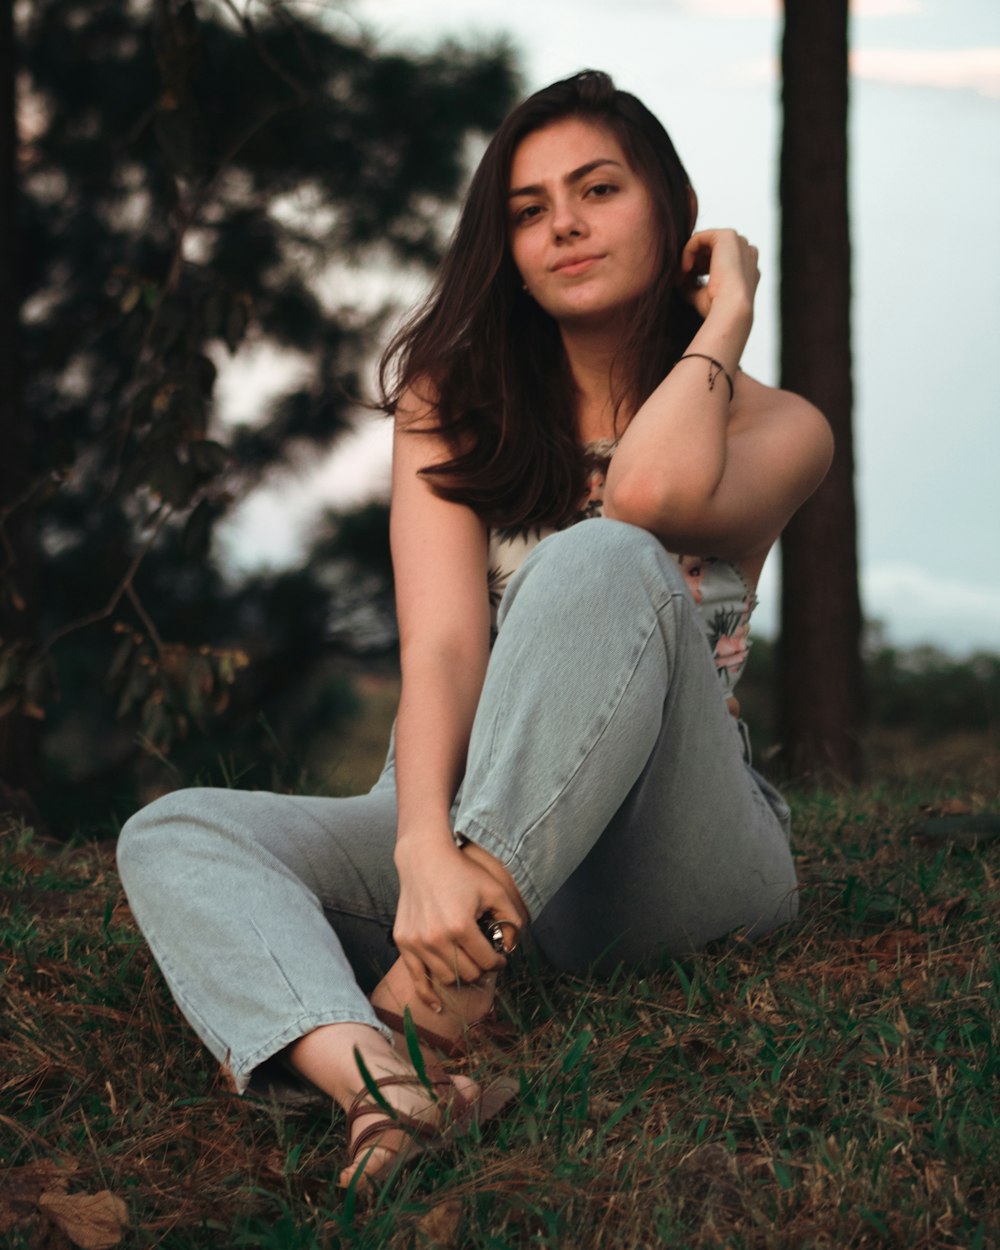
{"points": [[603, 770]]}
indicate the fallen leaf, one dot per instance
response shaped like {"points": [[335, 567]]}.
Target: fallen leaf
{"points": [[941, 913], [90, 1221], [438, 1227], [709, 1172], [901, 1105], [893, 943], [20, 1188]]}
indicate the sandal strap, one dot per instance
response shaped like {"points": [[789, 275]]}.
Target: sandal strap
{"points": [[364, 1104], [405, 1124], [453, 1048], [418, 1130]]}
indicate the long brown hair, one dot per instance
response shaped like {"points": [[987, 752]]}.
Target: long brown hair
{"points": [[494, 361]]}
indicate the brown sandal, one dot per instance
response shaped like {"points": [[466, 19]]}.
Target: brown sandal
{"points": [[415, 1136], [418, 1136], [453, 1047]]}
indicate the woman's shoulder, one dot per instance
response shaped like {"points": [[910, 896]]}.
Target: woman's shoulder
{"points": [[758, 401], [782, 417], [416, 405]]}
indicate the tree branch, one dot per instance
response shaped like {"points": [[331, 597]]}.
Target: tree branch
{"points": [[121, 589], [147, 620]]}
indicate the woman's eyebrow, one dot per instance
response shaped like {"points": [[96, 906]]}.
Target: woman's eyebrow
{"points": [[573, 176]]}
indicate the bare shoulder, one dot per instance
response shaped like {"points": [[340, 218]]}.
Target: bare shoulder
{"points": [[780, 417], [756, 401], [419, 441], [416, 408]]}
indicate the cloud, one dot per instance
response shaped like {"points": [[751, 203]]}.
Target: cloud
{"points": [[970, 69], [919, 607], [732, 8], [914, 605], [886, 8]]}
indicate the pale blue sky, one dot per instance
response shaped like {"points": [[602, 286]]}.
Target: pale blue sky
{"points": [[925, 168]]}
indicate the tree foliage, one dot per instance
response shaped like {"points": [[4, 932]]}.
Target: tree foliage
{"points": [[197, 179]]}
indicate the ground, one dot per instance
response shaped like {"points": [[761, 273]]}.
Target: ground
{"points": [[835, 1085]]}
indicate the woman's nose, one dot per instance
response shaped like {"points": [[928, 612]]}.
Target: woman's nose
{"points": [[567, 222]]}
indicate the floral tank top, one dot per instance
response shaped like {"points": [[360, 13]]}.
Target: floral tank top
{"points": [[722, 594]]}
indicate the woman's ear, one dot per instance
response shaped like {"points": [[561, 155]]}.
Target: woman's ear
{"points": [[693, 209]]}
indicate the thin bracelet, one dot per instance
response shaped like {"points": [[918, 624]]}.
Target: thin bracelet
{"points": [[719, 368]]}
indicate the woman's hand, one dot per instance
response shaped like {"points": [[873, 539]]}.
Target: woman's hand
{"points": [[730, 263], [442, 895]]}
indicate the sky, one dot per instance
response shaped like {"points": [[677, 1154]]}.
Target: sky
{"points": [[925, 209]]}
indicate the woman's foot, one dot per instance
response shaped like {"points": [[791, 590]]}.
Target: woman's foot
{"points": [[463, 1006], [377, 1141], [424, 1117]]}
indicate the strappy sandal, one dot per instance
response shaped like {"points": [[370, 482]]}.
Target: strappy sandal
{"points": [[417, 1136], [454, 1048], [413, 1136]]}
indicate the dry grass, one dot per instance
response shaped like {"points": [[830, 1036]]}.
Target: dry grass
{"points": [[835, 1086]]}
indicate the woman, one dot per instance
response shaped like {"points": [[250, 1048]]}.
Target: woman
{"points": [[586, 777]]}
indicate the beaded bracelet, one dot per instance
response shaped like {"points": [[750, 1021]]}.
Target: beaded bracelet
{"points": [[718, 368]]}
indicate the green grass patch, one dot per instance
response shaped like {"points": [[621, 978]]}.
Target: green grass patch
{"points": [[836, 1085]]}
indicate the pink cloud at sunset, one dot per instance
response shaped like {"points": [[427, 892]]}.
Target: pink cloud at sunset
{"points": [[970, 69]]}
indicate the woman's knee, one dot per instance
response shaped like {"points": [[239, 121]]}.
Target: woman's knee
{"points": [[598, 556], [599, 538], [155, 831]]}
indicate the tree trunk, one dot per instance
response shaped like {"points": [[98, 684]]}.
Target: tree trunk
{"points": [[820, 681], [19, 736]]}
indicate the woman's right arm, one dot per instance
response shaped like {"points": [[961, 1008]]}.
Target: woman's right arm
{"points": [[439, 552]]}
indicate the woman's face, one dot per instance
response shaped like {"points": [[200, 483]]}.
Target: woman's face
{"points": [[583, 232]]}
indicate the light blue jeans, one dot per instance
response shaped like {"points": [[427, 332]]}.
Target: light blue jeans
{"points": [[603, 770]]}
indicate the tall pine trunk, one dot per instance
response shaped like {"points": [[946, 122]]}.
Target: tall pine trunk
{"points": [[820, 679], [19, 736]]}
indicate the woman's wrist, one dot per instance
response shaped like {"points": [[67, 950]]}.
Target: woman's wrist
{"points": [[726, 329], [416, 844], [716, 369]]}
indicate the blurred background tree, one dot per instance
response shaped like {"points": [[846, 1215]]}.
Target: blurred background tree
{"points": [[188, 173], [19, 737], [820, 678]]}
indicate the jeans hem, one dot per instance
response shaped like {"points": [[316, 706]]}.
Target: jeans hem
{"points": [[242, 1072], [473, 831]]}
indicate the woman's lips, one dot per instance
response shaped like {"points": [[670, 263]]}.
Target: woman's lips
{"points": [[570, 268]]}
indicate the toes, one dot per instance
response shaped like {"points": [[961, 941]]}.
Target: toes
{"points": [[375, 1158]]}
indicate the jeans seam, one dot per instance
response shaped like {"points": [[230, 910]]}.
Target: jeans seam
{"points": [[276, 962]]}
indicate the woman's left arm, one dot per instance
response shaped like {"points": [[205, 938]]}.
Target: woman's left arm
{"points": [[704, 472]]}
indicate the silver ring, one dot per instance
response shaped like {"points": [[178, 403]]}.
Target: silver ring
{"points": [[494, 931]]}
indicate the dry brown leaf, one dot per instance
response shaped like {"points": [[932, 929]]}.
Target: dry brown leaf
{"points": [[90, 1221], [893, 943], [954, 807], [20, 1188], [942, 913], [901, 1105], [438, 1227], [751, 1162]]}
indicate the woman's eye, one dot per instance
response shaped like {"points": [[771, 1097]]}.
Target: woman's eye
{"points": [[527, 213], [602, 189]]}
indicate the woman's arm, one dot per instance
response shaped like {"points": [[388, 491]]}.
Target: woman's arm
{"points": [[704, 473], [439, 554]]}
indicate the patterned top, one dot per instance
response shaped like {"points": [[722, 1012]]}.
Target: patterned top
{"points": [[724, 597]]}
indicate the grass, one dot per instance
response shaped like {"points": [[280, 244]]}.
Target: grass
{"points": [[836, 1085]]}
